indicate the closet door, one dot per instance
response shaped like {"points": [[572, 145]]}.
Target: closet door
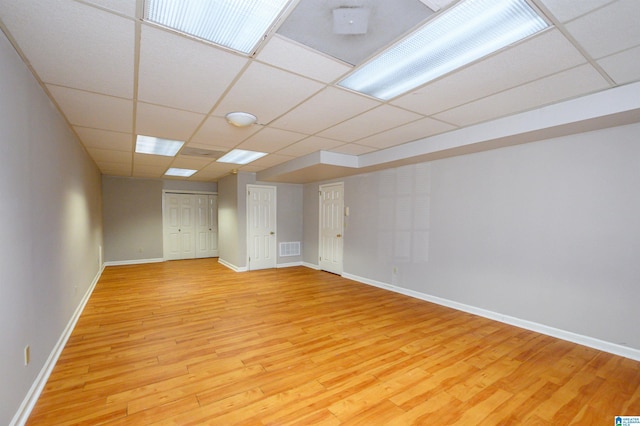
{"points": [[206, 226], [179, 227], [212, 212]]}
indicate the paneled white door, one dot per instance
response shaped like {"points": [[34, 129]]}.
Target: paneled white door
{"points": [[206, 222], [212, 211], [190, 224], [179, 226], [331, 227], [261, 226]]}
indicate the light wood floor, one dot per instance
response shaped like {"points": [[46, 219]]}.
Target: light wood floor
{"points": [[191, 342]]}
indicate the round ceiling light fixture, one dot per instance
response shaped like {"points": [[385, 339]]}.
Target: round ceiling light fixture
{"points": [[241, 119]]}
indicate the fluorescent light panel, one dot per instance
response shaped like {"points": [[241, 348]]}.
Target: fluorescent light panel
{"points": [[179, 172], [238, 24], [240, 156], [467, 32], [157, 146]]}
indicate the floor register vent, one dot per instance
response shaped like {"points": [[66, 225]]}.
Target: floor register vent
{"points": [[290, 249]]}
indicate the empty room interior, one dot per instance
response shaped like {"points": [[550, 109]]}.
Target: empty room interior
{"points": [[320, 212]]}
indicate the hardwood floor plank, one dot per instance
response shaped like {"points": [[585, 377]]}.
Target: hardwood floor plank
{"points": [[192, 342]]}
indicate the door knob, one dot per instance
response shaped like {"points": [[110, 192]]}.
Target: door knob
{"points": [[339, 235], [272, 233]]}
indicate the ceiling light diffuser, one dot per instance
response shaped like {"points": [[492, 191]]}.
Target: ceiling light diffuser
{"points": [[157, 146], [241, 119], [240, 156], [467, 32], [179, 172], [239, 25]]}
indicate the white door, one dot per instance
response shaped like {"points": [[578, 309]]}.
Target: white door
{"points": [[212, 212], [172, 221], [261, 226], [203, 240], [331, 227], [180, 230]]}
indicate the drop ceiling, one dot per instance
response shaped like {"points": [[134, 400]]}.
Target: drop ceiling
{"points": [[113, 75]]}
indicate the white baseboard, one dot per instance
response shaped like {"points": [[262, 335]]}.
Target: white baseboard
{"points": [[569, 336], [311, 265], [133, 262], [288, 265], [232, 266], [20, 418]]}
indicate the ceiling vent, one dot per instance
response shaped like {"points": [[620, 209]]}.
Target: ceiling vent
{"points": [[350, 20], [352, 30], [197, 152]]}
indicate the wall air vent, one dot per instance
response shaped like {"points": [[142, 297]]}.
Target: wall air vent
{"points": [[290, 249]]}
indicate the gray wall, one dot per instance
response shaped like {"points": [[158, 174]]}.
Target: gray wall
{"points": [[132, 215], [547, 232], [51, 206], [289, 218], [132, 211], [311, 233], [228, 227]]}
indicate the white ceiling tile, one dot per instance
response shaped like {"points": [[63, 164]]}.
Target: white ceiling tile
{"points": [[564, 85], [267, 92], [353, 149], [147, 171], [87, 109], [126, 7], [217, 132], [152, 160], [75, 45], [542, 55], [623, 67], [565, 10], [270, 160], [309, 145], [104, 139], [216, 170], [270, 140], [183, 73], [608, 30], [114, 169], [335, 104], [251, 169], [163, 122], [373, 121], [110, 156], [407, 133], [284, 53]]}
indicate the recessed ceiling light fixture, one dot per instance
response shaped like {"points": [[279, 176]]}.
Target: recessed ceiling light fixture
{"points": [[173, 171], [240, 156], [241, 119], [467, 32], [157, 146], [239, 25]]}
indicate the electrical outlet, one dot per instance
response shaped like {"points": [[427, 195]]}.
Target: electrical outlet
{"points": [[27, 355]]}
